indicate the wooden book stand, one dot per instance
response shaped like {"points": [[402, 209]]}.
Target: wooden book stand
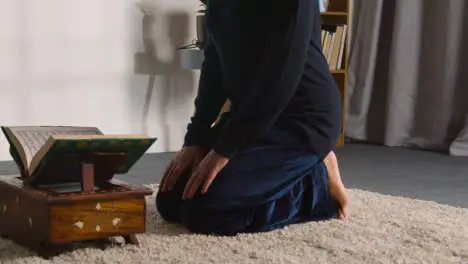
{"points": [[40, 213]]}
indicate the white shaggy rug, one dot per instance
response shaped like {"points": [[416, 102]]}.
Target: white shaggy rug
{"points": [[381, 229]]}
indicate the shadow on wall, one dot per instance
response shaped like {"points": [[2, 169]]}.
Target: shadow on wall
{"points": [[167, 81]]}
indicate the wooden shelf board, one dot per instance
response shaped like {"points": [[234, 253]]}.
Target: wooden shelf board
{"points": [[334, 13], [338, 71], [340, 142]]}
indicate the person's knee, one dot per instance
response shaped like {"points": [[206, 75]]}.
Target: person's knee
{"points": [[168, 206], [195, 217], [198, 218]]}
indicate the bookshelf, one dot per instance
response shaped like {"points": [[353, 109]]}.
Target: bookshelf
{"points": [[337, 15]]}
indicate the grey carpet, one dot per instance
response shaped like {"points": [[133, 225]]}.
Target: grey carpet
{"points": [[393, 171]]}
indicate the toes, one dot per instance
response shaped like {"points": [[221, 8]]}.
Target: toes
{"points": [[342, 214]]}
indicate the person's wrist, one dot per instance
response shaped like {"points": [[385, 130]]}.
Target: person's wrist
{"points": [[198, 148], [225, 152], [219, 155]]}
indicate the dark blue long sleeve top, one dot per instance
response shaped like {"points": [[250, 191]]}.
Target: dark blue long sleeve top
{"points": [[265, 56]]}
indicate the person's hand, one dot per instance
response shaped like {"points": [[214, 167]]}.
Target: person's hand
{"points": [[204, 174], [187, 157]]}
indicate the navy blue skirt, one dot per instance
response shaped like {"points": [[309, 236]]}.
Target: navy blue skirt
{"points": [[270, 184]]}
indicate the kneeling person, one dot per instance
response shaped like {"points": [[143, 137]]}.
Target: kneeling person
{"points": [[269, 162]]}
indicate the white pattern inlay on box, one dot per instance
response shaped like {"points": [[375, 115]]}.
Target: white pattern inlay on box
{"points": [[116, 221], [79, 224]]}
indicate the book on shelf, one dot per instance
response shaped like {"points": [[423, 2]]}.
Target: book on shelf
{"points": [[333, 45], [31, 145]]}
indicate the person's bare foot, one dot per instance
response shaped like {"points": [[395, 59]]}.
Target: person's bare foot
{"points": [[336, 186]]}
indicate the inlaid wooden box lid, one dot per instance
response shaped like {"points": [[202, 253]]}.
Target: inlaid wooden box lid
{"points": [[71, 192]]}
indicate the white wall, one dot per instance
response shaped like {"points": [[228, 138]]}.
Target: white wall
{"points": [[72, 62]]}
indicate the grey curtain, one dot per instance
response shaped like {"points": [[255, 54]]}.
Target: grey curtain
{"points": [[408, 74]]}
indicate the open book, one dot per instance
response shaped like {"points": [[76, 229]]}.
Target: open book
{"points": [[29, 145]]}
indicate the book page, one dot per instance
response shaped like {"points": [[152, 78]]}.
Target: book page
{"points": [[32, 138]]}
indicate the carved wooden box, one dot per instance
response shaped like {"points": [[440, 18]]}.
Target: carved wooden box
{"points": [[38, 217]]}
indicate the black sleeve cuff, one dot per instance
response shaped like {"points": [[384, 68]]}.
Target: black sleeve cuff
{"points": [[199, 137], [226, 150], [228, 143]]}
